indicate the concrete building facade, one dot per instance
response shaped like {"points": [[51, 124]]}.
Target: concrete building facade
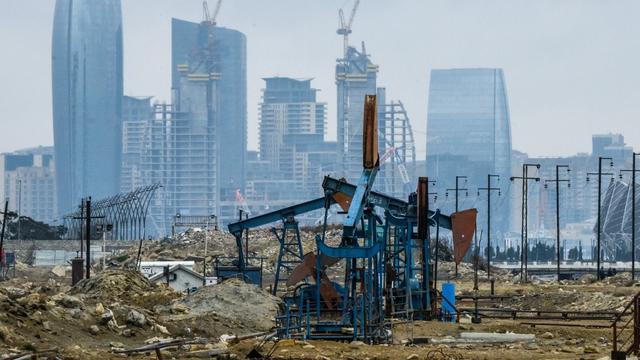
{"points": [[28, 181]]}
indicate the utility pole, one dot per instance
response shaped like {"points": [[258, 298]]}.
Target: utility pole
{"points": [[557, 181], [206, 241], [5, 215], [86, 216], [599, 174], [524, 236], [633, 213], [19, 210], [435, 265], [457, 189], [87, 205], [489, 189]]}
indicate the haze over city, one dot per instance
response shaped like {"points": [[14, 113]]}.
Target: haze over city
{"points": [[571, 67], [319, 179]]}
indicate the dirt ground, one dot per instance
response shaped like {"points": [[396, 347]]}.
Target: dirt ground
{"points": [[120, 309]]}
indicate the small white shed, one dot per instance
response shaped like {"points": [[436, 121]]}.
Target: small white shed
{"points": [[180, 278]]}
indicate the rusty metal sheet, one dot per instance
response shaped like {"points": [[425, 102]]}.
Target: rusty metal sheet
{"points": [[423, 197], [307, 268], [463, 228], [370, 133], [303, 270], [343, 200]]}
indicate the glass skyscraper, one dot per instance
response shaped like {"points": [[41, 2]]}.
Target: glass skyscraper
{"points": [[87, 99], [469, 134]]}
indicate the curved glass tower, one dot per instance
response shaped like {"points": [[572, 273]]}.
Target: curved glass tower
{"points": [[469, 134], [87, 99]]}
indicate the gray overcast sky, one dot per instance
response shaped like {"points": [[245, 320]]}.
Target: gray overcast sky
{"points": [[572, 67]]}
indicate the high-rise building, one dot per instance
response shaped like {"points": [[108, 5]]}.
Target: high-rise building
{"points": [[355, 78], [469, 134], [136, 114], [87, 99], [190, 42], [27, 180], [292, 128]]}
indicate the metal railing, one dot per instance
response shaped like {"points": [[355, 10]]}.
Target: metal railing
{"points": [[626, 330]]}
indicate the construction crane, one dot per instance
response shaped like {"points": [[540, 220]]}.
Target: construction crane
{"points": [[345, 27], [206, 16], [209, 21]]}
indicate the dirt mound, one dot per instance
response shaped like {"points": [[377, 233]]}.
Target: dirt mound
{"points": [[231, 306], [124, 286]]}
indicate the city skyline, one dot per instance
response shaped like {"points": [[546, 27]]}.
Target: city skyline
{"points": [[572, 95]]}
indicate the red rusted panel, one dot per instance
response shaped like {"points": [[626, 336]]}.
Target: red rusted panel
{"points": [[464, 225], [370, 133], [423, 197]]}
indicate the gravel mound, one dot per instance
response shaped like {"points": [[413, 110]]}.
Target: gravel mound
{"points": [[235, 301]]}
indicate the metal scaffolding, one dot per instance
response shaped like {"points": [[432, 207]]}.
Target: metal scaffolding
{"points": [[127, 212]]}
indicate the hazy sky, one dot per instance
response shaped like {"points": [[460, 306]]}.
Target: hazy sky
{"points": [[572, 67]]}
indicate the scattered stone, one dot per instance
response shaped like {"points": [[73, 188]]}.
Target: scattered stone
{"points": [[15, 293], [115, 344], [356, 343], [591, 349], [547, 335], [413, 357], [59, 271], [106, 316], [308, 346], [69, 302], [163, 330], [136, 318], [99, 309], [178, 308], [46, 326], [94, 329], [128, 333]]}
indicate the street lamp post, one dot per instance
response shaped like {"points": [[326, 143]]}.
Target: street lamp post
{"points": [[457, 190], [524, 236], [557, 181], [489, 189], [633, 172], [599, 174]]}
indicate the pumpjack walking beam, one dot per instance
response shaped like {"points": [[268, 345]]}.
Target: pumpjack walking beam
{"points": [[279, 215]]}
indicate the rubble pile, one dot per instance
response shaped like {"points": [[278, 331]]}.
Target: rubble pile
{"points": [[190, 245], [232, 306], [466, 272], [570, 300], [126, 286]]}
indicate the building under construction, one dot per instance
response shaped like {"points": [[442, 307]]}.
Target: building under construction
{"points": [[356, 77]]}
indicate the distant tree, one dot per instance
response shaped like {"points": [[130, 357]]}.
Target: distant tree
{"points": [[31, 229]]}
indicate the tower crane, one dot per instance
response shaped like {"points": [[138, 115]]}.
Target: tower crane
{"points": [[345, 27], [211, 20]]}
